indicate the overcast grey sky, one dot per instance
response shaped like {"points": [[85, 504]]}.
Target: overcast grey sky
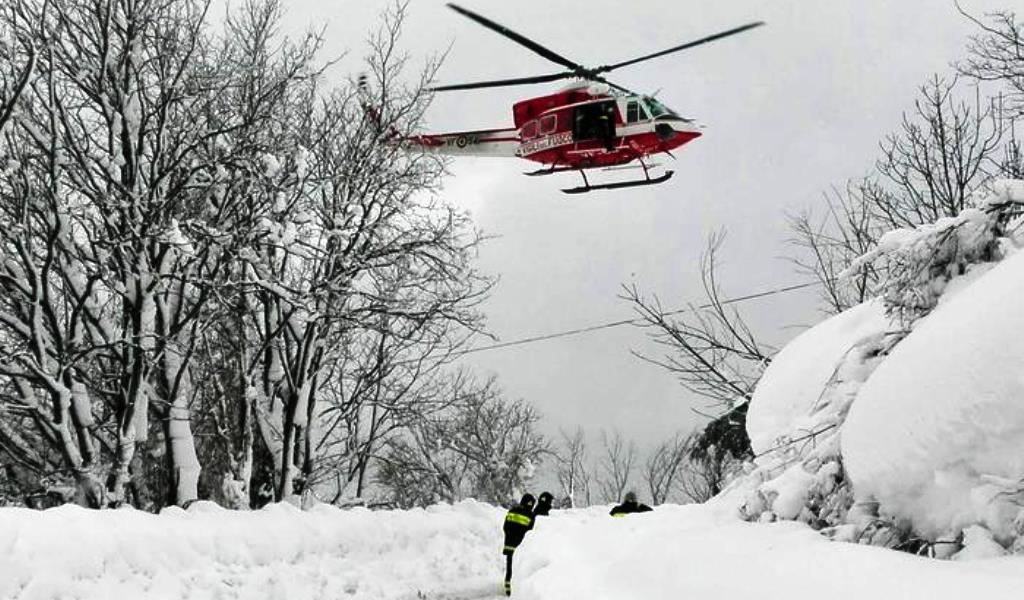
{"points": [[790, 109]]}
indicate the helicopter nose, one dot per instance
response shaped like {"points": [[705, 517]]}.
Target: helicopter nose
{"points": [[664, 131], [676, 129], [668, 124]]}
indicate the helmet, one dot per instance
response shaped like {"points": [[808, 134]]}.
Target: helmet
{"points": [[546, 498], [630, 497], [528, 500]]}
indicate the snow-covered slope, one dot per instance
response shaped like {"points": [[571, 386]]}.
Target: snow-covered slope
{"points": [[940, 423]]}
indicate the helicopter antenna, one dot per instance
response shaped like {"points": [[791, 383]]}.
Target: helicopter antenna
{"points": [[574, 69]]}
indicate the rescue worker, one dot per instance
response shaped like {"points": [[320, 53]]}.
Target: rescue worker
{"points": [[629, 505], [543, 504], [606, 127], [518, 521]]}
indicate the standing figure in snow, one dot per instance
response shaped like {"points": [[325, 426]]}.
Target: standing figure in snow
{"points": [[543, 504], [518, 521], [629, 505]]}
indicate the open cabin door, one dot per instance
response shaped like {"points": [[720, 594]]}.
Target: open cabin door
{"points": [[594, 121]]}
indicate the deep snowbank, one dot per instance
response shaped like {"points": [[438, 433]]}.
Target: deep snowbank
{"points": [[795, 419], [700, 552], [940, 423], [453, 553], [899, 422], [790, 390], [275, 553]]}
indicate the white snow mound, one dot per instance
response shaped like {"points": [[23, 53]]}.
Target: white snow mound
{"points": [[937, 432], [697, 551], [791, 386], [278, 552]]}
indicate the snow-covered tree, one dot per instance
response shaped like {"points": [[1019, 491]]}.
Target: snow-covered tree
{"points": [[181, 201], [355, 241], [481, 446], [386, 378], [17, 55], [920, 262], [572, 468], [615, 465], [709, 348], [664, 466], [996, 54], [715, 355], [949, 146], [108, 156]]}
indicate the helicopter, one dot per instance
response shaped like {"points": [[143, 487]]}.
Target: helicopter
{"points": [[592, 123]]}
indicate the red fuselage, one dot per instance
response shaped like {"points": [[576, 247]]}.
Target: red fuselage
{"points": [[582, 129], [576, 128]]}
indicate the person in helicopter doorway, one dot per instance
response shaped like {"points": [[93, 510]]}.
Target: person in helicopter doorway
{"points": [[543, 504], [605, 126], [518, 521], [629, 505]]}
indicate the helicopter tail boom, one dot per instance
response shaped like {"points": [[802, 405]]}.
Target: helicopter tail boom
{"points": [[486, 142], [503, 142]]}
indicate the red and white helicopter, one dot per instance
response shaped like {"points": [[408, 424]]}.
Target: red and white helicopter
{"points": [[592, 123]]}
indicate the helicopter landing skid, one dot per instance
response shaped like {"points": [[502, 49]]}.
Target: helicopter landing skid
{"points": [[621, 184], [647, 180]]}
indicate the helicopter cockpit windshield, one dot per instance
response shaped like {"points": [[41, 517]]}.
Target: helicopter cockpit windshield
{"points": [[657, 108]]}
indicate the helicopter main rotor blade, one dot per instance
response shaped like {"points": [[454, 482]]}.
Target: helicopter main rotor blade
{"points": [[519, 39], [703, 40], [503, 82]]}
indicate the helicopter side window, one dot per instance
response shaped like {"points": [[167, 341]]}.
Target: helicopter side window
{"points": [[530, 130], [547, 124], [635, 112]]}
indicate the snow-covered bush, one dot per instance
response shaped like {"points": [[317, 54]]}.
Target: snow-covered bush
{"points": [[796, 415], [898, 422], [936, 435], [920, 262]]}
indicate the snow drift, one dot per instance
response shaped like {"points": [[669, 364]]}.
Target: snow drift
{"points": [[900, 422], [453, 553], [792, 386], [698, 551], [939, 426], [278, 552]]}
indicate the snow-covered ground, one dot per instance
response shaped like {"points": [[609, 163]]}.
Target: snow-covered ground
{"points": [[279, 552], [453, 552]]}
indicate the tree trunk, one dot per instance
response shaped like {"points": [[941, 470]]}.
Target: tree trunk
{"points": [[287, 469]]}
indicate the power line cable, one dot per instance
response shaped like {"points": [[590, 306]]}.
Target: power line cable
{"points": [[611, 324]]}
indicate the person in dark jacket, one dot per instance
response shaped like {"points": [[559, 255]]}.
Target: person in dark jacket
{"points": [[543, 504], [518, 520], [629, 505]]}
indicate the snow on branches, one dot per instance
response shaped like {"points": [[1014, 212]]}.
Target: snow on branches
{"points": [[917, 264]]}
